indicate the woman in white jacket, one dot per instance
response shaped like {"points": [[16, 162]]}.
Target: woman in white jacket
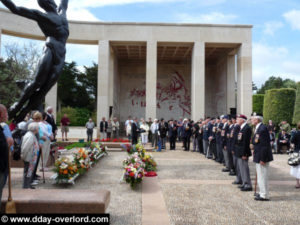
{"points": [[29, 151], [145, 130]]}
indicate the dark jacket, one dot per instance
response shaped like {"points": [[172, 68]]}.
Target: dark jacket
{"points": [[296, 141], [224, 132], [187, 130], [242, 142], [196, 129], [163, 128], [282, 137], [51, 121], [219, 127], [3, 152], [134, 130], [212, 131], [262, 146], [103, 126], [172, 131], [205, 130], [233, 136]]}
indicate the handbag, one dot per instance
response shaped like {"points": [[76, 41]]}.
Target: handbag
{"points": [[294, 159]]}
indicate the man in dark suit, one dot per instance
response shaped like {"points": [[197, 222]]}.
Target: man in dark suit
{"points": [[135, 131], [187, 132], [233, 137], [50, 119], [262, 156], [205, 136], [200, 137], [283, 140], [172, 133], [228, 146], [224, 131], [162, 133], [212, 149], [219, 126], [243, 152], [103, 128]]}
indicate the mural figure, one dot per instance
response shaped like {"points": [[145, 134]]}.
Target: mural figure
{"points": [[54, 24]]}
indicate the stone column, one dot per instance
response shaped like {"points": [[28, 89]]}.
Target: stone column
{"points": [[51, 100], [0, 40], [198, 81], [231, 65], [244, 75], [151, 79], [103, 81]]}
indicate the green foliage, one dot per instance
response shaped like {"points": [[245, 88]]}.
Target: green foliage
{"points": [[279, 105], [77, 145], [296, 118], [276, 83], [258, 103], [77, 116], [77, 89]]}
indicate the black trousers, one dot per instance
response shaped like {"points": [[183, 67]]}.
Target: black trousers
{"points": [[213, 148], [186, 142], [200, 145], [172, 142], [37, 164], [134, 140], [230, 159]]}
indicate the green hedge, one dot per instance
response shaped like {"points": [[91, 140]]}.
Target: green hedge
{"points": [[77, 116], [279, 105], [296, 118], [258, 103]]}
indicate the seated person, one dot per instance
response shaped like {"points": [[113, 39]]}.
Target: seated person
{"points": [[272, 140], [283, 140]]}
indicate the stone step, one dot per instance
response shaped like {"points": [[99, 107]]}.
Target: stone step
{"points": [[58, 201]]}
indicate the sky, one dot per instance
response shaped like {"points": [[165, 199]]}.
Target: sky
{"points": [[276, 31]]}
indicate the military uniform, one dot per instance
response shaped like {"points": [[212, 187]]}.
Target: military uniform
{"points": [[220, 157]]}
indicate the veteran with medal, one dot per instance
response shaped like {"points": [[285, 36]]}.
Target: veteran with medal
{"points": [[262, 156]]}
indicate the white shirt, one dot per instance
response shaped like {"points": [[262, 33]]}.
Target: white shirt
{"points": [[243, 125], [257, 126]]}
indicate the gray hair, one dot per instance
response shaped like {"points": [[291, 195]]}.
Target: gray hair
{"points": [[260, 118], [33, 126], [49, 108]]}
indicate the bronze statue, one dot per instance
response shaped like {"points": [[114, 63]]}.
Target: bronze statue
{"points": [[54, 25]]}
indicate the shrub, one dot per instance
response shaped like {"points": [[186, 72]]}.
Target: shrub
{"points": [[77, 116], [258, 103], [279, 105], [296, 118]]}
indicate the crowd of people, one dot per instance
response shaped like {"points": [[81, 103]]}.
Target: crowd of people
{"points": [[229, 140], [36, 132]]}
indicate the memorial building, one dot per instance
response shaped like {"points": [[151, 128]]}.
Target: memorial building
{"points": [[160, 70]]}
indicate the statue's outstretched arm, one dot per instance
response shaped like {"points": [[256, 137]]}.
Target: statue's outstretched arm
{"points": [[28, 13], [63, 6]]}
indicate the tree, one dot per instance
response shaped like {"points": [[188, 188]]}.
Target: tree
{"points": [[296, 118], [70, 90], [20, 64], [276, 83], [254, 87]]}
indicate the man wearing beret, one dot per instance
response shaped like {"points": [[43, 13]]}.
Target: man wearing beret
{"points": [[243, 152], [233, 137], [262, 156]]}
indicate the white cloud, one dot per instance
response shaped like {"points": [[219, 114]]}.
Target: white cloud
{"points": [[214, 17], [273, 61], [272, 26], [293, 18]]}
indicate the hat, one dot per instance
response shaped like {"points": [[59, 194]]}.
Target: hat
{"points": [[226, 117], [242, 116]]}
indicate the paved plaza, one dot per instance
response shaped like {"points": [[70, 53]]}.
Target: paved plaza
{"points": [[189, 189]]}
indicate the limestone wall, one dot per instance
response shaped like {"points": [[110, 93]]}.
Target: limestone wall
{"points": [[173, 90]]}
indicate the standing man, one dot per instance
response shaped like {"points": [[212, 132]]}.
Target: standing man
{"points": [[200, 137], [163, 128], [228, 147], [135, 131], [90, 125], [224, 131], [150, 132], [262, 157], [172, 132], [187, 132], [103, 128], [154, 130], [50, 119], [115, 127], [195, 130], [64, 123], [233, 138], [205, 136], [212, 149], [243, 152], [179, 128]]}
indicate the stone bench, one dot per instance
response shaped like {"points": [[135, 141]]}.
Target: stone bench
{"points": [[58, 201]]}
